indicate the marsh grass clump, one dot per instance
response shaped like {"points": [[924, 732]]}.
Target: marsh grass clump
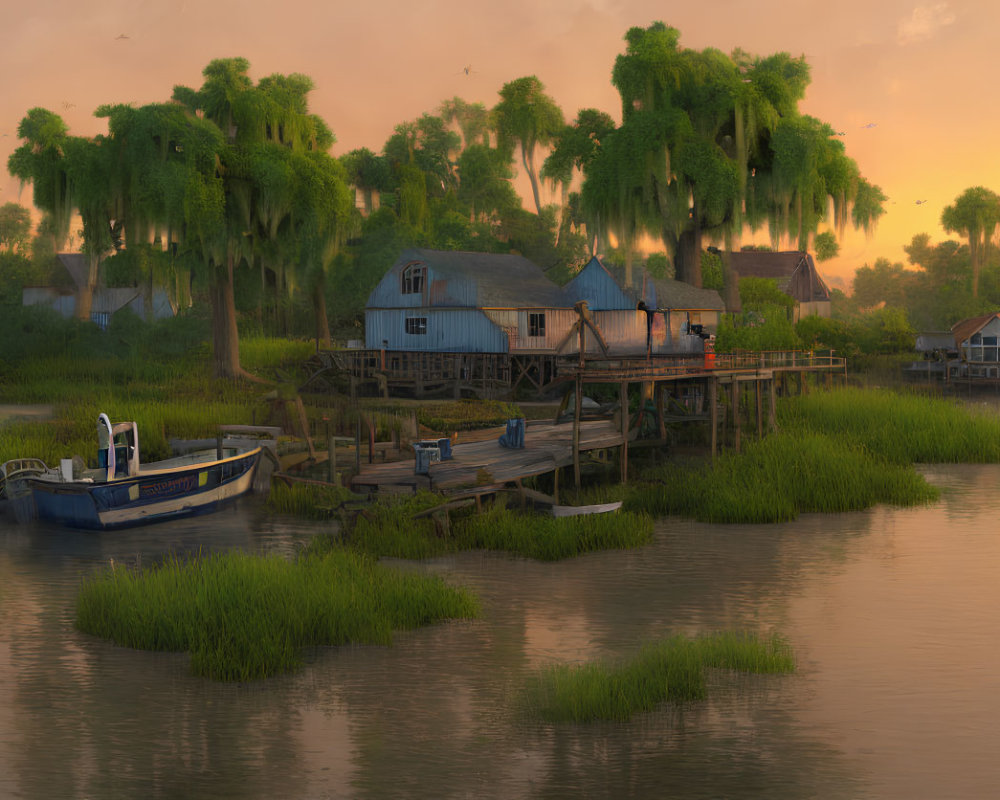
{"points": [[243, 617], [388, 528], [777, 478], [901, 427], [552, 538], [306, 500], [670, 670]]}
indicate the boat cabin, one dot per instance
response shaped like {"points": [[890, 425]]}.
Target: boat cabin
{"points": [[117, 447]]}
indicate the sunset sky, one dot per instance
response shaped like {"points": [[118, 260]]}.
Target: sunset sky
{"points": [[911, 85]]}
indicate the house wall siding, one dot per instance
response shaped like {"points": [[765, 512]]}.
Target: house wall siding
{"points": [[453, 330]]}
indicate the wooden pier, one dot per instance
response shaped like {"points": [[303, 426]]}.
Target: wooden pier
{"points": [[484, 467], [733, 391]]}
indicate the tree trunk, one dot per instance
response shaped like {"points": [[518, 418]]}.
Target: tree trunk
{"points": [[225, 337], [319, 308], [687, 265], [85, 296], [529, 166]]}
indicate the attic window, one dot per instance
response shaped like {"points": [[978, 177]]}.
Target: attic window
{"points": [[413, 278], [536, 325]]}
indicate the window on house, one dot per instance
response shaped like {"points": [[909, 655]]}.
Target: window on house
{"points": [[536, 325], [413, 278], [416, 326]]}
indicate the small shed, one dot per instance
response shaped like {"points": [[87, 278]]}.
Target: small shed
{"points": [[466, 302], [796, 275], [106, 302]]}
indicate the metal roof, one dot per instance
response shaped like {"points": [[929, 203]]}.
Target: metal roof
{"points": [[501, 280], [680, 295], [967, 327]]}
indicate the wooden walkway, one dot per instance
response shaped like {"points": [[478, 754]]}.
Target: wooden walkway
{"points": [[485, 466]]}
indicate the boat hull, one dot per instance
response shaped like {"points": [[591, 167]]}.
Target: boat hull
{"points": [[145, 498]]}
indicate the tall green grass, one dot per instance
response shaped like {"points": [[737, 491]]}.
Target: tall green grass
{"points": [[777, 478], [244, 617], [901, 427], [388, 528], [670, 670]]}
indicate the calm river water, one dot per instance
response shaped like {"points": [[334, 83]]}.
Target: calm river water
{"points": [[894, 616]]}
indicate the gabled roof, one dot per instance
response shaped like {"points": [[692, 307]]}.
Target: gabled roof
{"points": [[604, 287], [77, 267], [502, 280], [967, 327], [794, 271], [684, 296]]}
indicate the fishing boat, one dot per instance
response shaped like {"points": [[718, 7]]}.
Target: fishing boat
{"points": [[123, 492]]}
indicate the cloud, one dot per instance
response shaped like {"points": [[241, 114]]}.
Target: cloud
{"points": [[924, 23]]}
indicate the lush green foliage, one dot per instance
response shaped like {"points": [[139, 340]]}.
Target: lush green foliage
{"points": [[244, 617], [670, 670]]}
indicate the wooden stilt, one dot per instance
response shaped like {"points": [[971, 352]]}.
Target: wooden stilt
{"points": [[760, 409], [772, 413], [735, 394], [713, 412], [660, 424], [577, 412], [623, 403]]}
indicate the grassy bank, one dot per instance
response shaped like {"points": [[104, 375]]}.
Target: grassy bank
{"points": [[671, 670], [243, 617]]}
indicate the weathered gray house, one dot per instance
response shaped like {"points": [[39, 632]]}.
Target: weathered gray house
{"points": [[463, 302], [795, 273]]}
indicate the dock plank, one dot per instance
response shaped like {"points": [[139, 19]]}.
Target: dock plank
{"points": [[547, 446]]}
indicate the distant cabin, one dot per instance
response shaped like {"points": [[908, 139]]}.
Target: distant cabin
{"points": [[669, 312], [465, 302], [63, 296], [978, 341], [795, 273]]}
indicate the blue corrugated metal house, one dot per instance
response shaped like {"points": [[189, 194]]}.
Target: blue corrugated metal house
{"points": [[463, 302]]}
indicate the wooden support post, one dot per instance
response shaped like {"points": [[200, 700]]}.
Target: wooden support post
{"points": [[555, 485], [660, 424], [623, 403], [713, 412], [577, 411], [772, 412], [331, 460], [735, 394], [218, 446], [760, 409]]}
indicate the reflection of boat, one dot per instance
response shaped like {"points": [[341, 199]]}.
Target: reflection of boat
{"points": [[122, 492], [575, 511]]}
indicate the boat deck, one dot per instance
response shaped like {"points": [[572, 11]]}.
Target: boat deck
{"points": [[485, 465]]}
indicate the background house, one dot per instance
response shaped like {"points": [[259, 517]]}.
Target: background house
{"points": [[64, 294], [463, 302], [978, 341], [795, 273]]}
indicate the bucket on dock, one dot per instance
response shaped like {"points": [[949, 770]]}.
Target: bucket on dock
{"points": [[425, 454]]}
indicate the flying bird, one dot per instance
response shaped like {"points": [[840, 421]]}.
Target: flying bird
{"points": [[869, 125], [121, 36], [921, 202], [468, 70], [68, 105]]}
